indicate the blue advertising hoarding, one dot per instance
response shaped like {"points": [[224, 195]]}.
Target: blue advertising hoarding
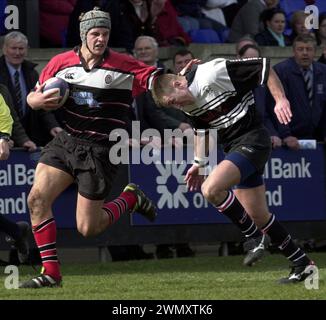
{"points": [[295, 189], [16, 179], [295, 182]]}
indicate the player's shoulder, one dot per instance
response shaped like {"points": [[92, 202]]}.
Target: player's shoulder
{"points": [[63, 59], [121, 61], [63, 56]]}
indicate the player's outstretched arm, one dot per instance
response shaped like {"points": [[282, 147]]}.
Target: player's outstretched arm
{"points": [[39, 100], [282, 107]]}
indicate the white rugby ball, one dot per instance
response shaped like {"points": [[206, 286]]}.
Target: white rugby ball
{"points": [[61, 85]]}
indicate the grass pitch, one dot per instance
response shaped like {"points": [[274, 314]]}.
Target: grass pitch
{"points": [[202, 278]]}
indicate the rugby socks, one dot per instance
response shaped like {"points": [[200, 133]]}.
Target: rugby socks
{"points": [[232, 208], [124, 203], [10, 228], [45, 235], [280, 237]]}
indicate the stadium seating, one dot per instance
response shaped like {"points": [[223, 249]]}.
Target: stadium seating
{"points": [[204, 36], [224, 34]]}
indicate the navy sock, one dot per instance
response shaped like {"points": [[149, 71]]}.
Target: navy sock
{"points": [[232, 208], [283, 240]]}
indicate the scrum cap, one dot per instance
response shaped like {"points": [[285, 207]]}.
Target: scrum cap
{"points": [[93, 19]]}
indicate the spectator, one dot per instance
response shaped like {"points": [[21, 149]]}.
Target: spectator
{"points": [[131, 19], [297, 24], [321, 36], [260, 94], [54, 19], [174, 34], [321, 31], [246, 39], [247, 21], [19, 76], [304, 82], [146, 50], [249, 51], [274, 24]]}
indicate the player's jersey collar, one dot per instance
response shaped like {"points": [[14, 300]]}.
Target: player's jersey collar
{"points": [[104, 56]]}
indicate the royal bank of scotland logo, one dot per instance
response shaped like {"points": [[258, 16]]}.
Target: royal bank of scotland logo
{"points": [[169, 199]]}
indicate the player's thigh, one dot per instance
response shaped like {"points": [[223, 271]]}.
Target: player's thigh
{"points": [[225, 175], [49, 182], [88, 212], [254, 202]]}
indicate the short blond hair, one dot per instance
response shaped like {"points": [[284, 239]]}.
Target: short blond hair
{"points": [[162, 87]]}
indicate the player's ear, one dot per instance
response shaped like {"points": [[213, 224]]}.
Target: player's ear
{"points": [[168, 101], [176, 84]]}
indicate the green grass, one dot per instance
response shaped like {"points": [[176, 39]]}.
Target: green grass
{"points": [[188, 278]]}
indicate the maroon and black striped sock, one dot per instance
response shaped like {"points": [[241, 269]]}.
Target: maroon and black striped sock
{"points": [[124, 203], [45, 235]]}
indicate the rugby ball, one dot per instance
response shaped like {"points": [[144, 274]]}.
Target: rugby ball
{"points": [[61, 85]]}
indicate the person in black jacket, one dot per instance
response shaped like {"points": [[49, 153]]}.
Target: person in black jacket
{"points": [[40, 126], [274, 24], [304, 82]]}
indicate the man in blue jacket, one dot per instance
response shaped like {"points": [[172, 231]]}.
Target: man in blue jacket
{"points": [[304, 82]]}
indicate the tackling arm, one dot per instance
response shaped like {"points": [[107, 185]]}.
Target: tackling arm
{"points": [[282, 107]]}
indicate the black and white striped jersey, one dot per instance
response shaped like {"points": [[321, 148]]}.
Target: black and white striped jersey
{"points": [[99, 99], [223, 92]]}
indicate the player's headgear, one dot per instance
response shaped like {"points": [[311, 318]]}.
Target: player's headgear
{"points": [[93, 19]]}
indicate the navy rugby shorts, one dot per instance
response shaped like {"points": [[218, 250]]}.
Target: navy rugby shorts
{"points": [[249, 153]]}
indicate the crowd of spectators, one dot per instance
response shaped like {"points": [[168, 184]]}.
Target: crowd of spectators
{"points": [[180, 22]]}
